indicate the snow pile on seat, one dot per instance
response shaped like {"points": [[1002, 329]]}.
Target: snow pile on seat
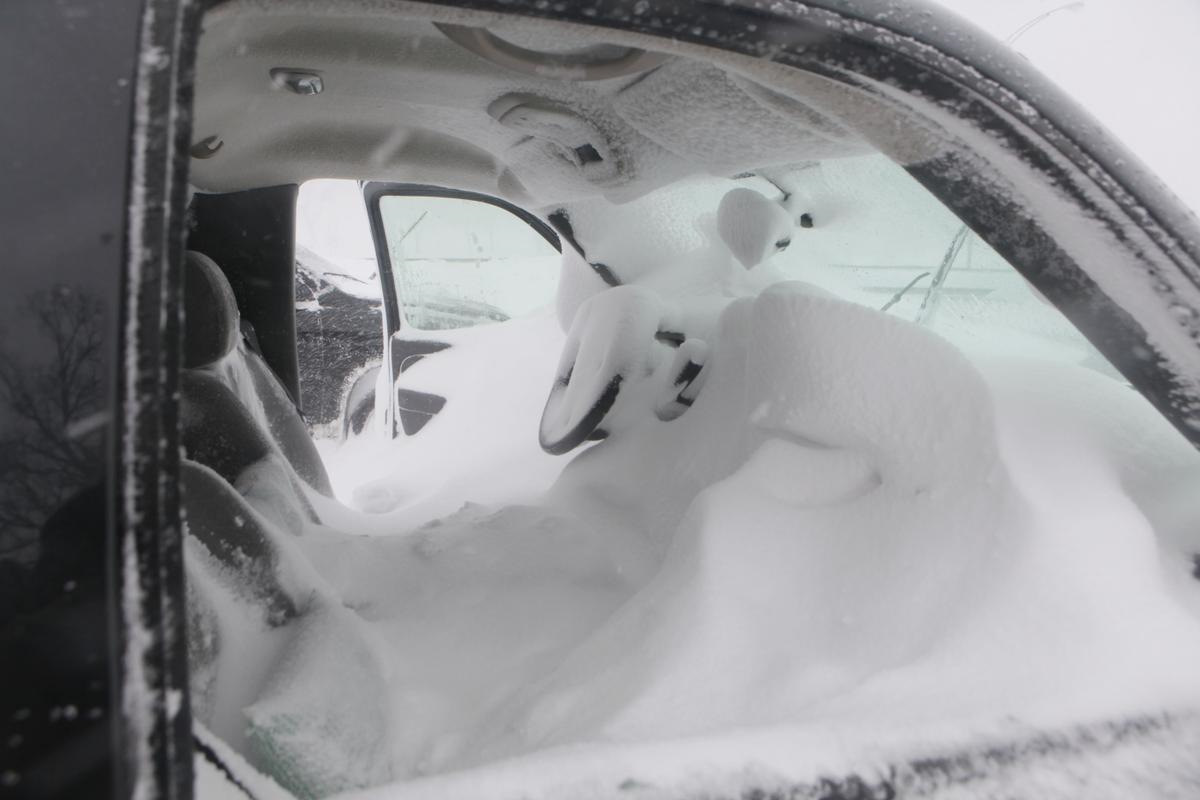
{"points": [[472, 608], [482, 446], [854, 542], [865, 498], [885, 564], [281, 670], [317, 722]]}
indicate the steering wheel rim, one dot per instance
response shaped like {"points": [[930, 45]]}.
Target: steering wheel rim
{"points": [[610, 341], [588, 424]]}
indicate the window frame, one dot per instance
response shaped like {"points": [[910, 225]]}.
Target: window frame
{"points": [[154, 737]]}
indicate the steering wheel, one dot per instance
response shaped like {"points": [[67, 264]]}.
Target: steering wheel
{"points": [[610, 343]]}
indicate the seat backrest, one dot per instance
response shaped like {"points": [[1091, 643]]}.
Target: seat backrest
{"points": [[286, 424], [225, 437]]}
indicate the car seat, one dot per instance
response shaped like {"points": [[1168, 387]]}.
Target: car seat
{"points": [[235, 412]]}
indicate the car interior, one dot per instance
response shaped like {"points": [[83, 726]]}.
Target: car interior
{"points": [[673, 202]]}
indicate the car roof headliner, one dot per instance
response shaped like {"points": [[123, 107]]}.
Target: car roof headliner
{"points": [[402, 102]]}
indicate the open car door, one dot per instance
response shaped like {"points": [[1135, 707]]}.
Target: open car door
{"points": [[449, 261]]}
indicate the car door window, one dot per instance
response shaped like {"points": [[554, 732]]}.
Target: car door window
{"points": [[458, 262], [63, 205]]}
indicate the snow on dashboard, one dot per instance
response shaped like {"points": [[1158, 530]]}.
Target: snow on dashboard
{"points": [[865, 538]]}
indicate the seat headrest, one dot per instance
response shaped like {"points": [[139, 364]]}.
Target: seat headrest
{"points": [[211, 319]]}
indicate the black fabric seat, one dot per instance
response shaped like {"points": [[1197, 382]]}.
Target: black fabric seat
{"points": [[227, 424], [287, 426], [239, 431], [218, 432], [247, 549]]}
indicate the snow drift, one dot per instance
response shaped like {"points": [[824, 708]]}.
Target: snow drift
{"points": [[853, 533]]}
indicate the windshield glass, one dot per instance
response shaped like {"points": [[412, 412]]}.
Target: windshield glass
{"points": [[866, 231]]}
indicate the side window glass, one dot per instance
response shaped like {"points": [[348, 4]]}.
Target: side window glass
{"points": [[54, 419], [63, 209], [460, 262], [339, 322]]}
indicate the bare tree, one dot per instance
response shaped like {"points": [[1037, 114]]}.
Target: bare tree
{"points": [[52, 396]]}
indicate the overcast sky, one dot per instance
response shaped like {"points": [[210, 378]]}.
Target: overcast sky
{"points": [[1135, 64]]}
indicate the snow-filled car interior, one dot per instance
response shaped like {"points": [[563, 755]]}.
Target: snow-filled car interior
{"points": [[574, 407]]}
